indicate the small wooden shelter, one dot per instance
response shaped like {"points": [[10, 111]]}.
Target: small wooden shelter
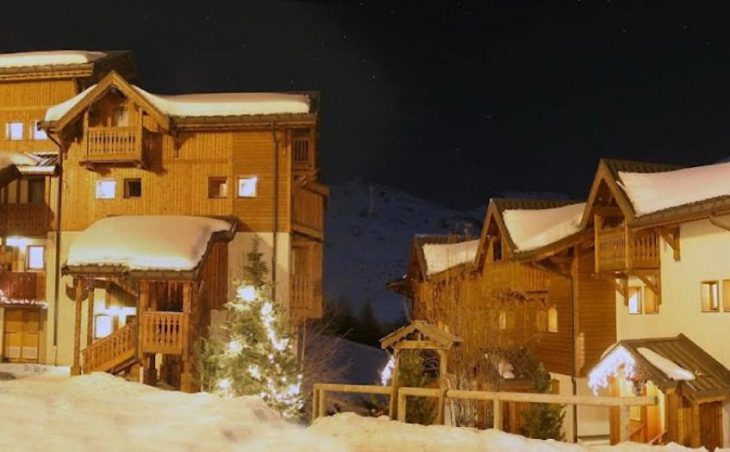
{"points": [[690, 384], [420, 335]]}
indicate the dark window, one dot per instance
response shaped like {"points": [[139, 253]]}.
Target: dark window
{"points": [[36, 190], [132, 188], [217, 187]]}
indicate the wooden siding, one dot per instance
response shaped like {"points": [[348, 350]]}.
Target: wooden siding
{"points": [[306, 280], [555, 349], [176, 182], [27, 102]]}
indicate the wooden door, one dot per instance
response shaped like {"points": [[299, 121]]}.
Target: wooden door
{"points": [[711, 425], [21, 335]]}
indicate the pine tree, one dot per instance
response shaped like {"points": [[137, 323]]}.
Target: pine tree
{"points": [[258, 357], [542, 420]]}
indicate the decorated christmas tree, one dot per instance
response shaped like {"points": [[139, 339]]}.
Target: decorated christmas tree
{"points": [[258, 356]]}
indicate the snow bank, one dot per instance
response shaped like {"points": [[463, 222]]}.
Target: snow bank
{"points": [[164, 242], [652, 192], [535, 228], [442, 256], [667, 366], [102, 412], [214, 104], [48, 58], [9, 158]]}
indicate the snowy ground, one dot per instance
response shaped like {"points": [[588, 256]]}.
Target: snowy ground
{"points": [[43, 409]]}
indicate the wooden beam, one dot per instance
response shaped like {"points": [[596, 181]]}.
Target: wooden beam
{"points": [[78, 300], [622, 287], [671, 236], [90, 317], [653, 285]]}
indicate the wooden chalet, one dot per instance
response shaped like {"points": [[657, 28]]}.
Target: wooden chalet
{"points": [[114, 150], [30, 83]]}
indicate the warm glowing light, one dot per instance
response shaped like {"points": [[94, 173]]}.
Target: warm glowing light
{"points": [[247, 293], [235, 347], [610, 366], [224, 384], [387, 371], [18, 242]]}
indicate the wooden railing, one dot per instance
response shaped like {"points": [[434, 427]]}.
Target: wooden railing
{"points": [[308, 211], [162, 332], [514, 276], [111, 351], [27, 219], [319, 408], [614, 254], [305, 292], [114, 144], [23, 285]]}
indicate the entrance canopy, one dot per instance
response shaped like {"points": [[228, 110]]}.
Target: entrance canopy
{"points": [[143, 246], [420, 335], [668, 363]]}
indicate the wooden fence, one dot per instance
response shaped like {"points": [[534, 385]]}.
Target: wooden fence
{"points": [[624, 404]]}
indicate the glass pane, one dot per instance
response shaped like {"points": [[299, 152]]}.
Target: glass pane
{"points": [[106, 189], [35, 257], [247, 187], [635, 300]]}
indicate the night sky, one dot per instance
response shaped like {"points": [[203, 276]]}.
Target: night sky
{"points": [[453, 101]]}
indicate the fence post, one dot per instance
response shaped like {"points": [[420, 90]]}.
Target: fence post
{"points": [[401, 406], [497, 414], [322, 403], [624, 423], [315, 399]]}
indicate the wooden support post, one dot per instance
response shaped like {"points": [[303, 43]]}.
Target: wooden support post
{"points": [[695, 436], [497, 414], [322, 403], [392, 406], [315, 400], [629, 246], [79, 299], [443, 385], [186, 378], [624, 419], [402, 406], [597, 226], [144, 301], [90, 316]]}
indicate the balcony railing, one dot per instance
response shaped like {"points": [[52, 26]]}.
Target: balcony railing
{"points": [[105, 354], [308, 213], [302, 155], [23, 285], [115, 144], [33, 219], [517, 277], [306, 295], [615, 253], [162, 332]]}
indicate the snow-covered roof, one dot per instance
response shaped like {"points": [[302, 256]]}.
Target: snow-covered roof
{"points": [[49, 58], [12, 158], [211, 104], [653, 192], [155, 242], [535, 228], [669, 367], [442, 256]]}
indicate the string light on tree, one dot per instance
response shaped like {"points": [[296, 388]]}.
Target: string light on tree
{"points": [[258, 357]]}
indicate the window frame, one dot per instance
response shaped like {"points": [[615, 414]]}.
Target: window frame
{"points": [[553, 326], [127, 181], [640, 297], [218, 180], [255, 188], [725, 295], [96, 189], [644, 301], [8, 130], [716, 296], [35, 131]]}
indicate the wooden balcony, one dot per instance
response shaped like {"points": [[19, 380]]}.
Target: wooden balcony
{"points": [[616, 253], [105, 145], [306, 298], [303, 159], [308, 213], [162, 332], [32, 220], [516, 277], [23, 285]]}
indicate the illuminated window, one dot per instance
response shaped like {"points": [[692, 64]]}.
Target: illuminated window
{"points": [[502, 320], [39, 134], [651, 302], [103, 326], [14, 131], [36, 257], [710, 296], [217, 187], [106, 189], [132, 188], [634, 300], [247, 187], [552, 320]]}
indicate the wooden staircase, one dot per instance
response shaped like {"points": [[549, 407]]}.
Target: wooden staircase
{"points": [[114, 354]]}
